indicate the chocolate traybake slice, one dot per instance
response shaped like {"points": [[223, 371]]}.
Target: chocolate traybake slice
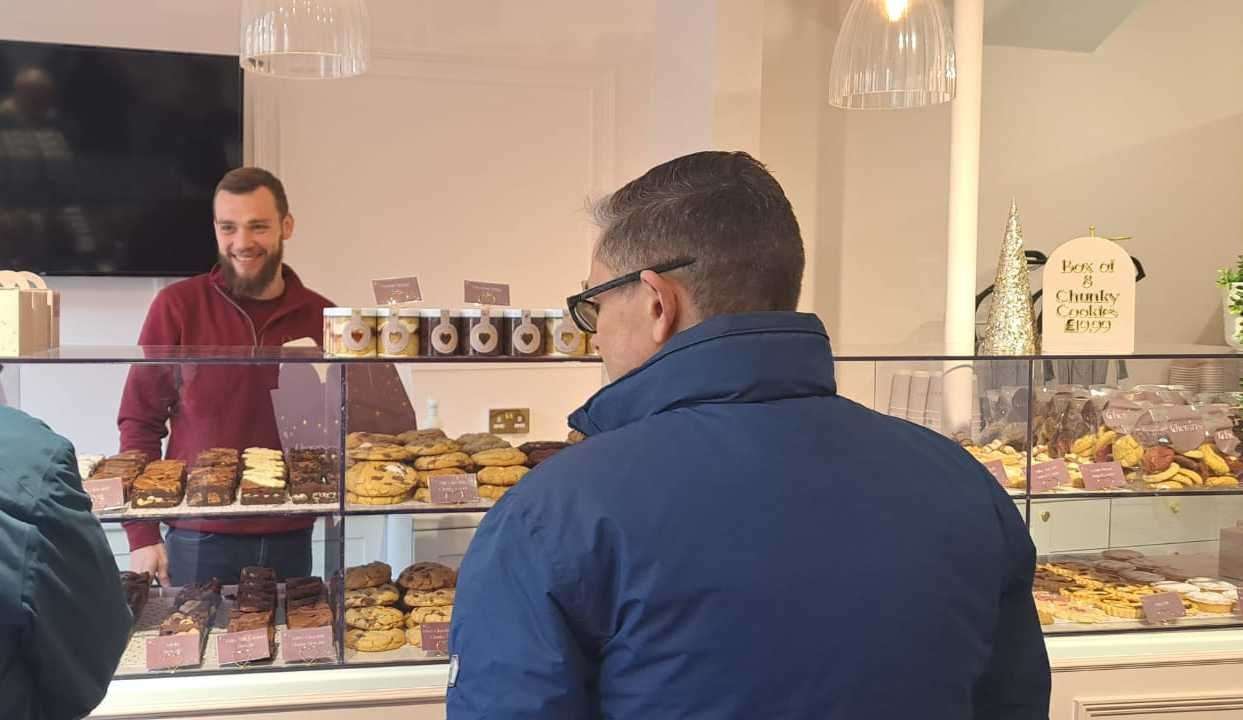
{"points": [[211, 486]]}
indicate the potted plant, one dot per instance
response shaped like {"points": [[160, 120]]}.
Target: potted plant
{"points": [[1230, 280]]}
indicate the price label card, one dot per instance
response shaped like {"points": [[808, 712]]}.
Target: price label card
{"points": [[173, 651], [302, 644], [1163, 607], [1102, 476], [244, 646], [397, 290], [106, 493], [454, 489], [1089, 299], [1048, 475], [435, 637], [482, 293], [998, 469]]}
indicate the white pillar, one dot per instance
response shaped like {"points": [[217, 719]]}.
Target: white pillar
{"points": [[964, 211]]}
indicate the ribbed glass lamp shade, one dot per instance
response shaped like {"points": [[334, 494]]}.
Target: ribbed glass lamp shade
{"points": [[311, 39], [892, 55]]}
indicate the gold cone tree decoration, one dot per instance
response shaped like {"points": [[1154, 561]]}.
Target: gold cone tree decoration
{"points": [[1011, 328]]}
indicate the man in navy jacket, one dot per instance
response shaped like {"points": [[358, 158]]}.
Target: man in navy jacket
{"points": [[734, 539]]}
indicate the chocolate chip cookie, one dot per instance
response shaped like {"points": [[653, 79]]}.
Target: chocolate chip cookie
{"points": [[370, 575], [429, 598], [502, 475], [386, 594], [499, 457], [427, 576], [374, 640], [437, 462], [376, 617]]}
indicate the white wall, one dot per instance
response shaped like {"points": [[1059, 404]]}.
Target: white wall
{"points": [[1141, 137], [469, 152]]}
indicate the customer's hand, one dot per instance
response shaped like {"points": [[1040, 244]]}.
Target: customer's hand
{"points": [[152, 559]]}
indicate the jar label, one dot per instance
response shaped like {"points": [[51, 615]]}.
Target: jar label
{"points": [[444, 336], [356, 336], [484, 339], [394, 337], [567, 338], [527, 337]]}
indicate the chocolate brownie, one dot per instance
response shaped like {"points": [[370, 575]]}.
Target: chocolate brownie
{"points": [[312, 475], [240, 620], [301, 587], [260, 495], [308, 616], [157, 491], [255, 572], [538, 452], [211, 486], [179, 622], [218, 457]]}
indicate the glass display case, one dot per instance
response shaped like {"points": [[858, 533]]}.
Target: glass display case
{"points": [[1126, 470]]}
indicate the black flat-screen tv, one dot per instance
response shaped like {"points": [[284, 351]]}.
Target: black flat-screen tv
{"points": [[108, 157]]}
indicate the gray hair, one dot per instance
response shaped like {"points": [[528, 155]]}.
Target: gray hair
{"points": [[725, 210]]}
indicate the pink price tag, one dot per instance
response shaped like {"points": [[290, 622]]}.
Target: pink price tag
{"points": [[453, 489], [106, 493], [244, 646], [304, 644], [998, 469], [173, 651], [1163, 607], [1102, 476], [1046, 476], [435, 637], [482, 293], [396, 290]]}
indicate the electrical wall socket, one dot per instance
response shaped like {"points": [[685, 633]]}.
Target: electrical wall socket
{"points": [[509, 421]]}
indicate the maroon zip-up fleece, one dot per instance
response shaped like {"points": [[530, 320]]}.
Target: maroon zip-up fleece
{"points": [[212, 405]]}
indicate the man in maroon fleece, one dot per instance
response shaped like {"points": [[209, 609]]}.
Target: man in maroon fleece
{"points": [[249, 299]]}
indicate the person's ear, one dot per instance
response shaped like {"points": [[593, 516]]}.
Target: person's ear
{"points": [[287, 227], [661, 306]]}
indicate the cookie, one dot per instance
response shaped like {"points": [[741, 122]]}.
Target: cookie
{"points": [[427, 576], [414, 636], [492, 492], [374, 640], [367, 451], [419, 437], [370, 575], [386, 594], [376, 500], [437, 462], [421, 615], [433, 447], [478, 442], [429, 598], [500, 457], [380, 479], [356, 439], [376, 617], [423, 495], [502, 475]]}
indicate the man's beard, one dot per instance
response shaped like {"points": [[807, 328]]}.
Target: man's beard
{"points": [[250, 287]]}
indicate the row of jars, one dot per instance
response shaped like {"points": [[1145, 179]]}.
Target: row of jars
{"points": [[425, 332]]}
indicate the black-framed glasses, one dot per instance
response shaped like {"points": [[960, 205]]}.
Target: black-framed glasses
{"points": [[586, 311]]}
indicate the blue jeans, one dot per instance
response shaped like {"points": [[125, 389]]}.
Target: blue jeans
{"points": [[195, 557]]}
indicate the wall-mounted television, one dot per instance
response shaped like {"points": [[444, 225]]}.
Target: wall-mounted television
{"points": [[108, 157]]}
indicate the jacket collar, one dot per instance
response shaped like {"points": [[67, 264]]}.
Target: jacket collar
{"points": [[753, 357]]}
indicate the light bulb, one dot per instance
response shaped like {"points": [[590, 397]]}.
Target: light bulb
{"points": [[896, 9]]}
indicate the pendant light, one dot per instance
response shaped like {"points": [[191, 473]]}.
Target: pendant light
{"points": [[309, 39], [893, 54]]}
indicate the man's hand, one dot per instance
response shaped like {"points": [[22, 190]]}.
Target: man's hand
{"points": [[152, 559]]}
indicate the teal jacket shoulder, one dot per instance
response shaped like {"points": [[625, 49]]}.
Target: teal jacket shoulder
{"points": [[63, 618]]}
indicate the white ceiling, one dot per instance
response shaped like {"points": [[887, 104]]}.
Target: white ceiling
{"points": [[1074, 25]]}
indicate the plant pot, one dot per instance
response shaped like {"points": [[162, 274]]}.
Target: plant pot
{"points": [[1232, 314]]}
